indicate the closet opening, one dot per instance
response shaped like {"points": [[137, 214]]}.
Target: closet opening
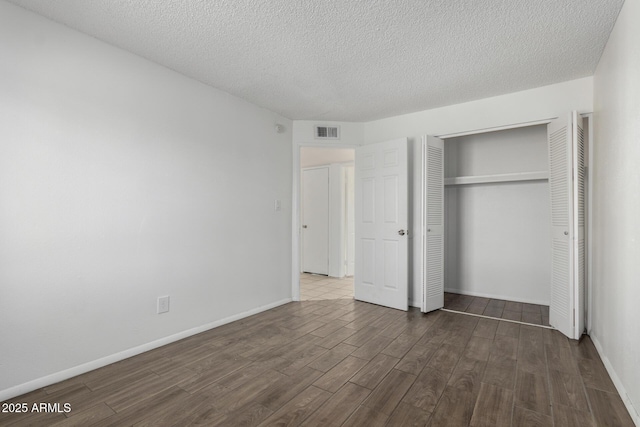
{"points": [[498, 228]]}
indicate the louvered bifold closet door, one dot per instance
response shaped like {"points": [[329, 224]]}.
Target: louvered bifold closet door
{"points": [[433, 224], [566, 183], [579, 222]]}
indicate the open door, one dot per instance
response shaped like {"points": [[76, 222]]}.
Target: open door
{"points": [[432, 223], [381, 219], [566, 183]]}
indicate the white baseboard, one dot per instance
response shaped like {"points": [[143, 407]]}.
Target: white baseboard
{"points": [[107, 360], [635, 416], [496, 296]]}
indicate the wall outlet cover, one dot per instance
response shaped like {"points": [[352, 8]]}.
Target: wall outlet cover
{"points": [[163, 304]]}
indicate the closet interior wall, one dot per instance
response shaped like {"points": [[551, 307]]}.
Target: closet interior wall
{"points": [[497, 228]]}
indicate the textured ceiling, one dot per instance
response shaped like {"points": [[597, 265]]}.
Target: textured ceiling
{"points": [[353, 60]]}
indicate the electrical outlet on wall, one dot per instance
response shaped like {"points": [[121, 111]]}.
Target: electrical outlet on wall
{"points": [[163, 304]]}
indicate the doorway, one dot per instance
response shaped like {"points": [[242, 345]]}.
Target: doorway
{"points": [[324, 223]]}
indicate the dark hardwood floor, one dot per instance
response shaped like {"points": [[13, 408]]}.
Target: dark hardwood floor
{"points": [[501, 309], [342, 362]]}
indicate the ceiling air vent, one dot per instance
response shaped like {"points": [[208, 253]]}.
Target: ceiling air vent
{"points": [[327, 132]]}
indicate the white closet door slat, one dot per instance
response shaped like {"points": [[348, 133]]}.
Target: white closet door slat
{"points": [[567, 188], [579, 225], [433, 223], [560, 161]]}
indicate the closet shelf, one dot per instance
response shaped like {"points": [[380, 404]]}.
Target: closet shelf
{"points": [[503, 177]]}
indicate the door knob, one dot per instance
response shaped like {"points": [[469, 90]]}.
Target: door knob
{"points": [[566, 233], [401, 232], [304, 226]]}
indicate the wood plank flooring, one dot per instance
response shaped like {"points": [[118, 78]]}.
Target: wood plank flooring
{"points": [[500, 309], [342, 362]]}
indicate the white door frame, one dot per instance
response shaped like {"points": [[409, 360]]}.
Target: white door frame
{"points": [[295, 211]]}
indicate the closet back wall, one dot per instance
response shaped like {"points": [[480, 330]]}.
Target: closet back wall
{"points": [[498, 234]]}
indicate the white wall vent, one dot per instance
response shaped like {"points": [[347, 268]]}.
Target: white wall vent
{"points": [[327, 132]]}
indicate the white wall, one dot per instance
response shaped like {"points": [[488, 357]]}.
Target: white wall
{"points": [[616, 237], [318, 156], [498, 234], [121, 181], [519, 107], [507, 151]]}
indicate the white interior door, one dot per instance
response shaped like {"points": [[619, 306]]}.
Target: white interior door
{"points": [[315, 220], [381, 219], [433, 224], [566, 183]]}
